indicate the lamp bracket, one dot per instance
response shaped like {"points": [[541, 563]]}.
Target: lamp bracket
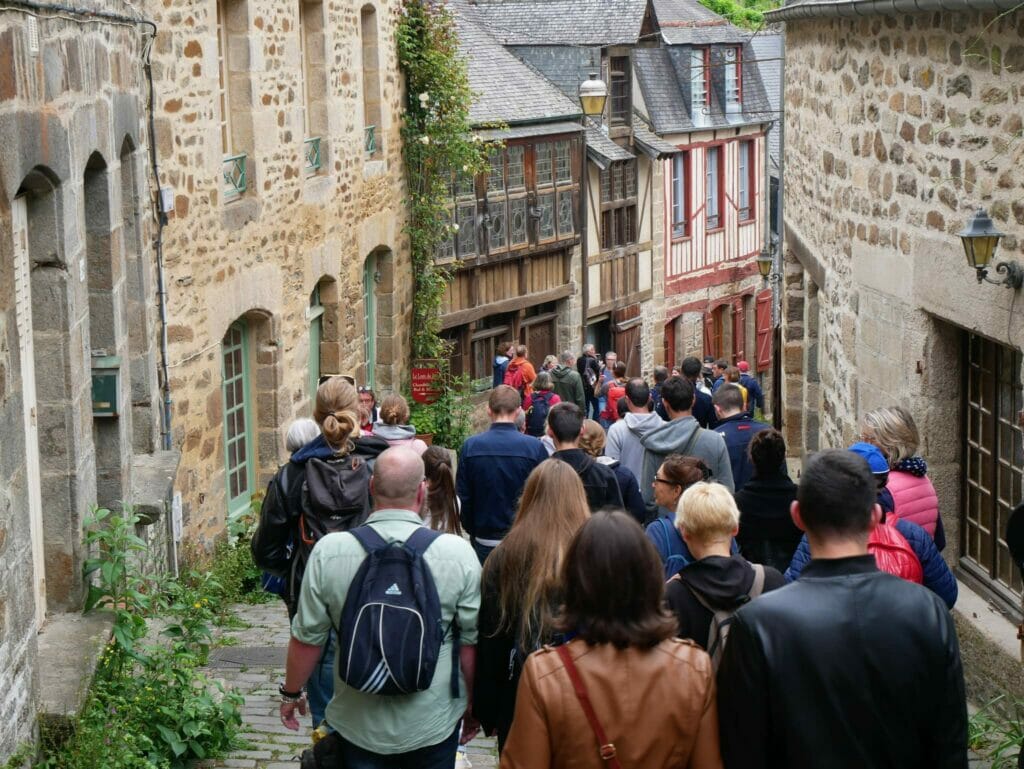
{"points": [[1013, 275]]}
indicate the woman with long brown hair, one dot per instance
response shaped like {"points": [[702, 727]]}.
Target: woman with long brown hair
{"points": [[442, 505], [651, 696], [521, 589]]}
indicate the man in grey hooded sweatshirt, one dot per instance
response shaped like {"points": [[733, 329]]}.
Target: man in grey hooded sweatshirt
{"points": [[682, 435], [624, 435]]}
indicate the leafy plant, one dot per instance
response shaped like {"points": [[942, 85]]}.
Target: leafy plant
{"points": [[422, 416], [742, 13], [996, 732]]}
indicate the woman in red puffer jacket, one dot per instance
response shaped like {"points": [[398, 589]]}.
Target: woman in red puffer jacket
{"points": [[892, 429]]}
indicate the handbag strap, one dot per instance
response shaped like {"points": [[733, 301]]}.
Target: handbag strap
{"points": [[606, 749]]}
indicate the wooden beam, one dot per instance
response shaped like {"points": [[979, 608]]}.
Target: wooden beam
{"points": [[639, 296], [512, 304]]}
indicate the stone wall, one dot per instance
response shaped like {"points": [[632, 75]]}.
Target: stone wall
{"points": [[259, 256], [898, 129], [74, 215]]}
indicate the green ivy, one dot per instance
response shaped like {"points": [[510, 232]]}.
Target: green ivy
{"points": [[438, 141], [742, 13]]}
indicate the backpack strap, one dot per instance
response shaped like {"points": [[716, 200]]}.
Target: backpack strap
{"points": [[418, 542], [690, 443], [758, 587], [606, 748], [367, 537]]}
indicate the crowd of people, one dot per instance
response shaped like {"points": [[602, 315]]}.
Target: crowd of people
{"points": [[617, 572]]}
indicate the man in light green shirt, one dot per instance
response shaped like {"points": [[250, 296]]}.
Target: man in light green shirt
{"points": [[419, 729]]}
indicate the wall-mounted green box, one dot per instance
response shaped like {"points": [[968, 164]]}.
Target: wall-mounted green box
{"points": [[105, 374]]}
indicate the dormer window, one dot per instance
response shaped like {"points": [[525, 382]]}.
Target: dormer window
{"points": [[733, 78], [700, 84]]}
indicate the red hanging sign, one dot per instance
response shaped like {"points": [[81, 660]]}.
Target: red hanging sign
{"points": [[425, 384]]}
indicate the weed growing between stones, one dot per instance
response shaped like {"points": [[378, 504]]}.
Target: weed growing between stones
{"points": [[996, 732], [150, 705]]}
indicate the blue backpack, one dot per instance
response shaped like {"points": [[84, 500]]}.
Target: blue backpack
{"points": [[391, 628], [537, 414], [671, 547]]}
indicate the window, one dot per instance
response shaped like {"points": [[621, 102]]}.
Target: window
{"points": [[747, 181], [733, 78], [316, 334], [713, 188], [993, 467], [619, 93], [680, 195], [618, 205], [314, 83], [700, 90], [232, 89], [370, 278], [223, 78], [371, 82], [238, 444]]}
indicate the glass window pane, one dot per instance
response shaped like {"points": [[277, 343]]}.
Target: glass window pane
{"points": [[546, 225], [236, 362], [518, 217], [498, 228], [606, 188], [464, 186], [543, 165], [516, 170], [467, 230], [496, 173], [563, 168], [565, 210], [629, 179], [617, 181]]}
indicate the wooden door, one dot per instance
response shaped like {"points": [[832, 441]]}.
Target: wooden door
{"points": [[23, 319], [540, 340]]}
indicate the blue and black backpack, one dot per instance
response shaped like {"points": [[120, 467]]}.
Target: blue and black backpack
{"points": [[391, 625]]}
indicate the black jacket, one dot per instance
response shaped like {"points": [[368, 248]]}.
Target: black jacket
{"points": [[724, 584], [767, 532], [847, 668], [632, 500], [598, 480]]}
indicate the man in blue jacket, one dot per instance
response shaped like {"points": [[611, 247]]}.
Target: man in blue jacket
{"points": [[755, 395], [738, 429], [493, 467]]}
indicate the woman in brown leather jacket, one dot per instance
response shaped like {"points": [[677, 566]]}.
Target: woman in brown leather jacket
{"points": [[653, 696]]}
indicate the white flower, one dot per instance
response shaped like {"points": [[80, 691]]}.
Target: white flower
{"points": [[424, 139], [424, 98], [465, 169], [455, 228]]}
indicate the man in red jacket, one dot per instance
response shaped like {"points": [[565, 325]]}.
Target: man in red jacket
{"points": [[520, 367]]}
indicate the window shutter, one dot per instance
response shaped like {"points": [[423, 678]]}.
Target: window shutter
{"points": [[763, 317], [738, 328], [670, 343], [709, 334]]}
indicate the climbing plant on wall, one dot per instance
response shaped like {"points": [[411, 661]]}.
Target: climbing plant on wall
{"points": [[437, 142]]}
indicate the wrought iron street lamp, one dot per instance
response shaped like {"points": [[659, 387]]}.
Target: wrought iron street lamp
{"points": [[765, 263], [981, 239], [593, 95]]}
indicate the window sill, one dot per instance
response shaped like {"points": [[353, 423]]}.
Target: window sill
{"points": [[715, 230], [374, 168], [751, 220], [681, 239]]}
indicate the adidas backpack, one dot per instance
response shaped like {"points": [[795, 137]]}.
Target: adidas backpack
{"points": [[391, 628], [537, 415], [893, 552]]}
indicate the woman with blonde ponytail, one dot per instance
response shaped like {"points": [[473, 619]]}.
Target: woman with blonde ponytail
{"points": [[327, 479]]}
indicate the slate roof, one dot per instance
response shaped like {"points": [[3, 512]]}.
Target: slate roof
{"points": [[603, 150], [650, 143], [505, 89], [563, 22], [806, 9], [664, 78], [687, 22], [769, 51]]}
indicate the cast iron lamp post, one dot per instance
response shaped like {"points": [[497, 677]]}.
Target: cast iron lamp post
{"points": [[981, 239]]}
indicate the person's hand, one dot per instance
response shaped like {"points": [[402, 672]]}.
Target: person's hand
{"points": [[288, 712], [470, 728]]}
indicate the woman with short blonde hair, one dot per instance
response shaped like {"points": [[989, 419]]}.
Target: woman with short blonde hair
{"points": [[707, 519]]}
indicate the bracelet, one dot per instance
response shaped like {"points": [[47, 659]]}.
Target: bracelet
{"points": [[287, 696]]}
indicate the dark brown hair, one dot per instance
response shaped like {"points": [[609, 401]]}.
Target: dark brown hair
{"points": [[767, 452], [684, 471], [504, 400], [614, 583], [394, 410], [444, 512]]}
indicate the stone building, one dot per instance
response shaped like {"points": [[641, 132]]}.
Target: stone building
{"points": [[899, 126], [277, 131], [79, 397], [702, 92]]}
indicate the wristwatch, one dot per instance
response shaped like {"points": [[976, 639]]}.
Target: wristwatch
{"points": [[287, 696]]}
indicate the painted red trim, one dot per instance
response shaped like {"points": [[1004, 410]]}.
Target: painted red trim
{"points": [[722, 273], [723, 140]]}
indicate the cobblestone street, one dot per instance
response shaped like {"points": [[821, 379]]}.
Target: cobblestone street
{"points": [[252, 664]]}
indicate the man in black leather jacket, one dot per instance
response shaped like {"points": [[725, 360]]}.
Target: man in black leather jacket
{"points": [[849, 667]]}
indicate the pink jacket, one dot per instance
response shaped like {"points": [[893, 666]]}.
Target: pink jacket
{"points": [[915, 499]]}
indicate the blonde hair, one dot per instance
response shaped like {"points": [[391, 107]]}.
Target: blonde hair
{"points": [[707, 512], [337, 412], [892, 429], [394, 410], [592, 439]]}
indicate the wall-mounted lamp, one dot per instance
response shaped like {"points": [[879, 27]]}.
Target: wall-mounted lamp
{"points": [[765, 263], [981, 239]]}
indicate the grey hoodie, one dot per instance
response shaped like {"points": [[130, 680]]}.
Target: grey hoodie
{"points": [[624, 440], [400, 435], [673, 438]]}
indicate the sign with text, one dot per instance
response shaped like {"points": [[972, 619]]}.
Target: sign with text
{"points": [[425, 384]]}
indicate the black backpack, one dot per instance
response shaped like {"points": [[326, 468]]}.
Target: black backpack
{"points": [[335, 496], [391, 628], [537, 415]]}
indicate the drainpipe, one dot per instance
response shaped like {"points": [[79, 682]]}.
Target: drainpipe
{"points": [[584, 200], [831, 8]]}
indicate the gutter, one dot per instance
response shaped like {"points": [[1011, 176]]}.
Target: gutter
{"points": [[845, 8]]}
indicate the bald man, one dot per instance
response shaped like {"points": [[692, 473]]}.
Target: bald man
{"points": [[420, 729]]}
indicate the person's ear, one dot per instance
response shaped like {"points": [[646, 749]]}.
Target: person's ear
{"points": [[718, 410], [735, 531], [876, 516], [421, 495], [794, 513], [373, 491]]}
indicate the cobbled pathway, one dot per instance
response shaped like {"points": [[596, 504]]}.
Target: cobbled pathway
{"points": [[250, 661]]}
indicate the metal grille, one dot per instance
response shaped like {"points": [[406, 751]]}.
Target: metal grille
{"points": [[993, 463], [235, 175], [312, 152]]}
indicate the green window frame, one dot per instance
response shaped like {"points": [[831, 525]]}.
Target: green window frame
{"points": [[238, 438], [370, 319], [316, 335]]}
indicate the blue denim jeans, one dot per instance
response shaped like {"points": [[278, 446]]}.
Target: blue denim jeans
{"points": [[439, 756], [320, 686]]}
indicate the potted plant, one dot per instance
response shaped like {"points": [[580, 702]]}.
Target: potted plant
{"points": [[424, 418]]}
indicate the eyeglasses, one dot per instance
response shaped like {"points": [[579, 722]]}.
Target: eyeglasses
{"points": [[666, 481]]}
